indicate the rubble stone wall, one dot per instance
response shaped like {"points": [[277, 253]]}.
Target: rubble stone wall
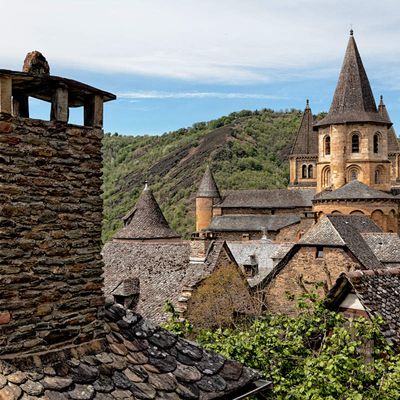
{"points": [[50, 229]]}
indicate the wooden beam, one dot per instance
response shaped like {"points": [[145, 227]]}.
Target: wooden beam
{"points": [[93, 111], [59, 105], [21, 106], [5, 94]]}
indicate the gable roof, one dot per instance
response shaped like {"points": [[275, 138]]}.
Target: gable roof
{"points": [[354, 190], [273, 198], [386, 246], [353, 100], [306, 141], [138, 359], [252, 222], [208, 187], [343, 231], [145, 220], [393, 143], [379, 293]]}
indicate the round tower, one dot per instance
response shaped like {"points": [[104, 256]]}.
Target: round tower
{"points": [[207, 195]]}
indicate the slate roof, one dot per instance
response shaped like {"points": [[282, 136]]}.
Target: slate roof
{"points": [[306, 141], [354, 190], [274, 198], [252, 222], [379, 293], [160, 268], [343, 231], [208, 187], [145, 221], [137, 360], [393, 143], [127, 287], [353, 100], [346, 231], [386, 246], [264, 251]]}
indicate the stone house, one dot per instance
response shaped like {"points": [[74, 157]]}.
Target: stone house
{"points": [[369, 293], [58, 338], [336, 244]]}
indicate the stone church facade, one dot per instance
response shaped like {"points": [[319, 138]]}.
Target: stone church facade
{"points": [[346, 163]]}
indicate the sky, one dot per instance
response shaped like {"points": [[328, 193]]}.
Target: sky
{"points": [[172, 63]]}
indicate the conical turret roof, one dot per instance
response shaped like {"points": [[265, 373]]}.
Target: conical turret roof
{"points": [[393, 144], [306, 140], [353, 100], [145, 220], [208, 187]]}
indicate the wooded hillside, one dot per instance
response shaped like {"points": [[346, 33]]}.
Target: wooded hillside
{"points": [[247, 150]]}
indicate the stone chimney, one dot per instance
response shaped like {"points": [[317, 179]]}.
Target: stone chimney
{"points": [[199, 245], [50, 213]]}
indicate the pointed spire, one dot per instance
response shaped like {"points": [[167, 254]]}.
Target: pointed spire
{"points": [[208, 187], [306, 141], [353, 100], [393, 143], [145, 220]]}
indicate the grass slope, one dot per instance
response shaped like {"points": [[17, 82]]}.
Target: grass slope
{"points": [[247, 150]]}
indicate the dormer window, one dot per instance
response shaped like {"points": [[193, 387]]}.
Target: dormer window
{"points": [[251, 266]]}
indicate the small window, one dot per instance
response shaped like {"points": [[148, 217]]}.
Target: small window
{"points": [[310, 171], [327, 146], [376, 143], [378, 176], [320, 252], [353, 175], [304, 171], [355, 143]]}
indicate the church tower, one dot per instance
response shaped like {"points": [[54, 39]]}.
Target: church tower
{"points": [[304, 154], [207, 195], [353, 137]]}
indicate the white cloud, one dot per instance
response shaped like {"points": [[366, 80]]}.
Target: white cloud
{"points": [[231, 41], [153, 94]]}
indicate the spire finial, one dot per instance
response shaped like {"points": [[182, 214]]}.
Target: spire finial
{"points": [[307, 104], [351, 31], [146, 185], [381, 101]]}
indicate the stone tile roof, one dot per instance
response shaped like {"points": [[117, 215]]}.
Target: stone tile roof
{"points": [[353, 190], [386, 246], [252, 222], [145, 221], [160, 268], [208, 187], [306, 141], [127, 287], [379, 293], [353, 100], [138, 360], [264, 250], [393, 143], [274, 198], [346, 231]]}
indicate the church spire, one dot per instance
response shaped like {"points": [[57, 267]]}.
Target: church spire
{"points": [[306, 141], [353, 100], [393, 143]]}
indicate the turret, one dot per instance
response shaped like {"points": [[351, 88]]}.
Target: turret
{"points": [[207, 195]]}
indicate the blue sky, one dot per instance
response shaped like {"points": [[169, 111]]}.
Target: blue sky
{"points": [[176, 62]]}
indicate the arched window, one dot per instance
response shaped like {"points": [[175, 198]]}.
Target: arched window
{"points": [[353, 173], [377, 176], [376, 143], [310, 171], [304, 171], [355, 143], [327, 145], [326, 177]]}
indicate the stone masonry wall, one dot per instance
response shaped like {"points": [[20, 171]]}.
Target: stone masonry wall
{"points": [[50, 227], [300, 275]]}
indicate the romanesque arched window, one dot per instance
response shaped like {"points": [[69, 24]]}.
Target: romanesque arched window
{"points": [[327, 145], [310, 171], [376, 143], [326, 177], [353, 173], [355, 143], [378, 175], [304, 171]]}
